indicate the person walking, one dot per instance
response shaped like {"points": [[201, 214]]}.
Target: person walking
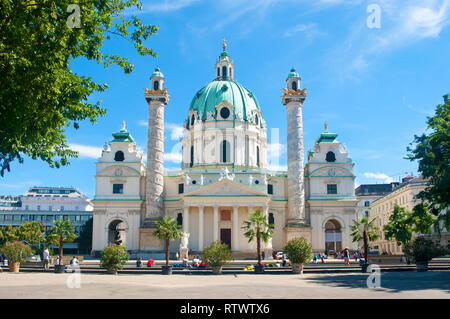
{"points": [[346, 256], [46, 257]]}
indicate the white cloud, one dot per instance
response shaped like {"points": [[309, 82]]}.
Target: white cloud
{"points": [[163, 6], [308, 29], [175, 157], [275, 150], [379, 176], [176, 131], [87, 151]]}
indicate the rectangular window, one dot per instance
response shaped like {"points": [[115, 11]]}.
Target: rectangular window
{"points": [[331, 189], [49, 218], [84, 218], [180, 188], [367, 203], [38, 207], [62, 208], [72, 218], [117, 188], [269, 189], [50, 208], [8, 217]]}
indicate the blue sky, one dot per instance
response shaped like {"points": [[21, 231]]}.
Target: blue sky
{"points": [[374, 86]]}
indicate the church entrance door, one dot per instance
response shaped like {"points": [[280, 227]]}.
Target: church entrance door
{"points": [[225, 236]]}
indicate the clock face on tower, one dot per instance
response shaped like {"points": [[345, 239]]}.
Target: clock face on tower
{"points": [[332, 172]]}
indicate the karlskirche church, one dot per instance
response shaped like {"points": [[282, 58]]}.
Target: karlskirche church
{"points": [[224, 175]]}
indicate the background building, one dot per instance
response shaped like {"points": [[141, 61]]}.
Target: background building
{"points": [[367, 193], [46, 204]]}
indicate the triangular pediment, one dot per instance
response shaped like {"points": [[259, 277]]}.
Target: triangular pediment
{"points": [[226, 188]]}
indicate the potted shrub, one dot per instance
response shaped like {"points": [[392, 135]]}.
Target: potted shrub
{"points": [[422, 250], [167, 229], [113, 257], [16, 252], [62, 231], [298, 251], [217, 254], [258, 227]]}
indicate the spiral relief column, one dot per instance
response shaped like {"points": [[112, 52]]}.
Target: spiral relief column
{"points": [[157, 98], [293, 99]]}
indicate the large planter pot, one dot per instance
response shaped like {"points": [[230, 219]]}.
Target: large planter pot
{"points": [[14, 267], [364, 267], [59, 269], [259, 269], [422, 266], [166, 270], [217, 270], [297, 268]]}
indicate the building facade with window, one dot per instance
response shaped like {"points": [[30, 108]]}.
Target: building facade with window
{"points": [[403, 195], [47, 204], [224, 175], [367, 193]]}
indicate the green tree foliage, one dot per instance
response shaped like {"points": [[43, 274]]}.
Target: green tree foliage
{"points": [[257, 227], [40, 96], [32, 232], [421, 220], [432, 151], [298, 250], [62, 231], [364, 230], [217, 254], [8, 234], [167, 229], [85, 238], [113, 257], [399, 226]]}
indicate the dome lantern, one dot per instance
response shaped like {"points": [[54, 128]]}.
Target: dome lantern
{"points": [[224, 66]]}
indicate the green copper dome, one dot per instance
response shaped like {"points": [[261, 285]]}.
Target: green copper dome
{"points": [[157, 72], [293, 74], [218, 91]]}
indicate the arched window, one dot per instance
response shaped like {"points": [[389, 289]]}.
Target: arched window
{"points": [[192, 119], [224, 71], [271, 219], [256, 119], [330, 157], [218, 72], [180, 219], [119, 156], [294, 86], [192, 156], [156, 85], [333, 236], [225, 150], [229, 72], [257, 156]]}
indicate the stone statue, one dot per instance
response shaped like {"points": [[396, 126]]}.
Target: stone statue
{"points": [[185, 240], [187, 179], [239, 116], [250, 180], [202, 180], [225, 173], [265, 179], [210, 116]]}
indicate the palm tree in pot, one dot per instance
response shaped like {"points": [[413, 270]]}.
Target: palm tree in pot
{"points": [[217, 254], [365, 231], [167, 229], [258, 227], [62, 231]]}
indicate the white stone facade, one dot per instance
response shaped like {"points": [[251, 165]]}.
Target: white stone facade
{"points": [[224, 177]]}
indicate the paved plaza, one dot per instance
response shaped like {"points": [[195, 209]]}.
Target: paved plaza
{"points": [[431, 284]]}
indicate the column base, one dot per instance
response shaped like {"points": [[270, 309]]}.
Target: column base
{"points": [[147, 241], [298, 228]]}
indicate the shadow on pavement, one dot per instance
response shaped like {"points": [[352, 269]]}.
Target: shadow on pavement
{"points": [[394, 281]]}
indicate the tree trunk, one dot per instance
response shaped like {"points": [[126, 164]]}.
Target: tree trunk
{"points": [[258, 248], [366, 247], [60, 248], [167, 252]]}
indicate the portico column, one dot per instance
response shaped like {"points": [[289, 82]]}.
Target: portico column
{"points": [[200, 228], [235, 231], [186, 219], [216, 223]]}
